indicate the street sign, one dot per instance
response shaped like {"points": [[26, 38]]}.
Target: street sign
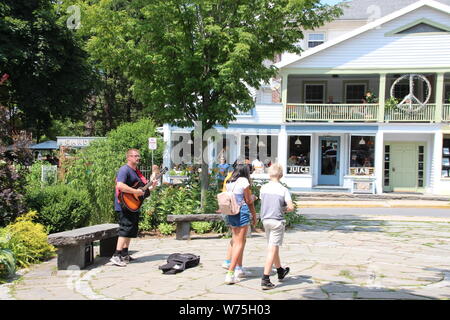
{"points": [[152, 145]]}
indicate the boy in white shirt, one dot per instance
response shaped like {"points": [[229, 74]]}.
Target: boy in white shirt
{"points": [[275, 200]]}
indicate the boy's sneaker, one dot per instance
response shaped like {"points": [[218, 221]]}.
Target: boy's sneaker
{"points": [[226, 265], [241, 273], [266, 284], [116, 260], [283, 273], [231, 278]]}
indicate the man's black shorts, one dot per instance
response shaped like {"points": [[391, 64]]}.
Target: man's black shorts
{"points": [[128, 223]]}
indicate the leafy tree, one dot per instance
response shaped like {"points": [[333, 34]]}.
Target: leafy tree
{"points": [[191, 60], [49, 76]]}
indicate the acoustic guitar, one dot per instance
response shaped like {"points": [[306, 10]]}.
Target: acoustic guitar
{"points": [[132, 202]]}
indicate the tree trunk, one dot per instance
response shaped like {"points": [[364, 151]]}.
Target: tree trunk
{"points": [[204, 181]]}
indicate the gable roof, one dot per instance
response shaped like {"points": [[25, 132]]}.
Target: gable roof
{"points": [[430, 3], [366, 9]]}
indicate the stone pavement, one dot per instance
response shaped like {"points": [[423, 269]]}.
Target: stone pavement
{"points": [[329, 259]]}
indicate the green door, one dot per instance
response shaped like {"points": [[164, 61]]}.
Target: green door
{"points": [[404, 166]]}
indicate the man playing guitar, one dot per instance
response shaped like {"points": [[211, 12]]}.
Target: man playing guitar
{"points": [[127, 176]]}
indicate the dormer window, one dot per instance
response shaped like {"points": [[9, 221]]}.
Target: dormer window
{"points": [[422, 26], [314, 39]]}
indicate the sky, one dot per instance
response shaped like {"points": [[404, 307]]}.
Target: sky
{"points": [[332, 2]]}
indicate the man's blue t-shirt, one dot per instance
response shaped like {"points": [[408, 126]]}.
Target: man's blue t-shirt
{"points": [[128, 176], [223, 170]]}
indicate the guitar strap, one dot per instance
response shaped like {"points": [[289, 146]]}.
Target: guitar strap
{"points": [[141, 176]]}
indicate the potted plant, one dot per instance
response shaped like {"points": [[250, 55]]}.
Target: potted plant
{"points": [[389, 107]]}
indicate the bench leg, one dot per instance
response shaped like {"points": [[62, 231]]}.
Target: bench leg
{"points": [[183, 230], [71, 257], [108, 246]]}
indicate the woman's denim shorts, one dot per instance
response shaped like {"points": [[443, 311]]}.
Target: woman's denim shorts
{"points": [[241, 219]]}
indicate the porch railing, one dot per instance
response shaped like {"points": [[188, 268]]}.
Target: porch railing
{"points": [[426, 114], [446, 112], [331, 112]]}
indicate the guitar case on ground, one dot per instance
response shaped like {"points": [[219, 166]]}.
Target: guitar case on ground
{"points": [[178, 262]]}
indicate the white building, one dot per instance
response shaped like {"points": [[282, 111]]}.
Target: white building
{"points": [[322, 131]]}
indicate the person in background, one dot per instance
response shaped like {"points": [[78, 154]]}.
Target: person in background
{"points": [[223, 170], [155, 172], [275, 200], [258, 166]]}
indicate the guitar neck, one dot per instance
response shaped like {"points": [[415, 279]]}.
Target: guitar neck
{"points": [[151, 181]]}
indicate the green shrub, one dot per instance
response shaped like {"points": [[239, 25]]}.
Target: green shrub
{"points": [[28, 241], [61, 207], [166, 228], [201, 226], [7, 264], [7, 260]]}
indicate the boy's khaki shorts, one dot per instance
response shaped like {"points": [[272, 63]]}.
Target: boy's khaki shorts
{"points": [[274, 231]]}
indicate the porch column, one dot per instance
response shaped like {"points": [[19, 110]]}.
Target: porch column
{"points": [[379, 161], [436, 162], [284, 86], [282, 149], [382, 97], [439, 97]]}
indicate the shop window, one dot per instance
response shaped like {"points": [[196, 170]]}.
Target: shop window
{"points": [[446, 157], [362, 155], [259, 147], [299, 151]]}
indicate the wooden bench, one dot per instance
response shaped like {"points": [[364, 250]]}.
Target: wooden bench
{"points": [[75, 247], [184, 222]]}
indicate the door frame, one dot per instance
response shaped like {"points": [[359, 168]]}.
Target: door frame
{"points": [[339, 163], [391, 188]]}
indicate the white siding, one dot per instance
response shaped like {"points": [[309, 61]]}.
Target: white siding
{"points": [[264, 114], [372, 49]]}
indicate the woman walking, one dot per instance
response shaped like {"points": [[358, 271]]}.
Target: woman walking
{"points": [[239, 184]]}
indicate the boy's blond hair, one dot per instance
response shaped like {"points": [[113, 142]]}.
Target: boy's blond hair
{"points": [[275, 171]]}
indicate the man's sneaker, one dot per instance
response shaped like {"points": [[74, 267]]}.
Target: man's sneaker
{"points": [[127, 258], [266, 284], [241, 273], [226, 265], [116, 260], [283, 274], [231, 278]]}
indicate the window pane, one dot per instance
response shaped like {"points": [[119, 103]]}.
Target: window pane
{"points": [[316, 37], [299, 149], [314, 93], [362, 152], [355, 93], [312, 44]]}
